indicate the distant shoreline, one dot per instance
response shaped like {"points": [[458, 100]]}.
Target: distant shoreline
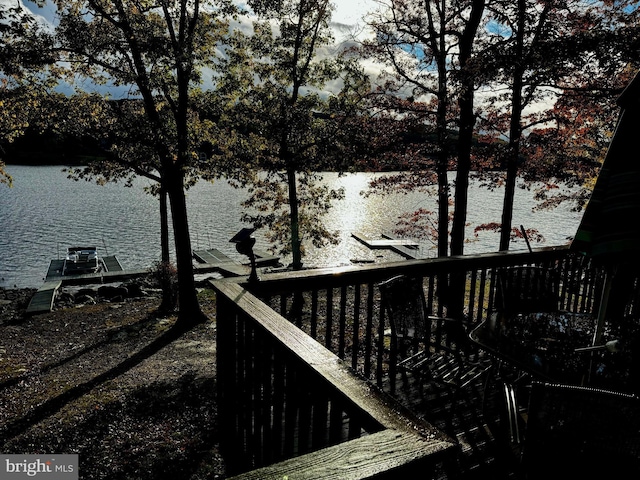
{"points": [[47, 160]]}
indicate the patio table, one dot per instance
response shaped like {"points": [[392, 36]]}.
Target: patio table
{"points": [[549, 348], [534, 346], [540, 344], [543, 345]]}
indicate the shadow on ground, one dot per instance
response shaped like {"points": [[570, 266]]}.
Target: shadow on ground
{"points": [[136, 402]]}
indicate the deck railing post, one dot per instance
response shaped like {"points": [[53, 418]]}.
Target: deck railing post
{"points": [[283, 396], [472, 277]]}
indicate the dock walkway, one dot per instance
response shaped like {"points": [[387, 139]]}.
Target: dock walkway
{"points": [[407, 248], [42, 300], [112, 263], [213, 260]]}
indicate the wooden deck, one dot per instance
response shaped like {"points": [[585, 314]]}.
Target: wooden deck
{"points": [[297, 412], [340, 309], [469, 415]]}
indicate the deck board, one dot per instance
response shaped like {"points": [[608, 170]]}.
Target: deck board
{"points": [[460, 414]]}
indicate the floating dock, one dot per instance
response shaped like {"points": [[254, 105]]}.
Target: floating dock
{"points": [[406, 248], [42, 301], [213, 260], [210, 260]]}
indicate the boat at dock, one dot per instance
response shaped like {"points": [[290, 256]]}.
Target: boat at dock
{"points": [[81, 260], [81, 266]]}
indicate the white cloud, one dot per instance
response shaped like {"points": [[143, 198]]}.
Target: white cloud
{"points": [[17, 7], [351, 12], [348, 19]]}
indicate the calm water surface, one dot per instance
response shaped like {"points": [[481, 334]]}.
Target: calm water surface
{"points": [[45, 212]]}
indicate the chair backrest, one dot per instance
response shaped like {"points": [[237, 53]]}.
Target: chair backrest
{"points": [[527, 289], [403, 302], [581, 432]]}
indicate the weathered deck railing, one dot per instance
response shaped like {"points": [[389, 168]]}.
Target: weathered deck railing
{"points": [[288, 405], [340, 307], [286, 401]]}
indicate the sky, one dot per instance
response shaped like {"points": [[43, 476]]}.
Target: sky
{"points": [[349, 12], [40, 14], [352, 11], [48, 11]]}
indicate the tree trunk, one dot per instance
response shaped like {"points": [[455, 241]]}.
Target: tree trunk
{"points": [[189, 308], [457, 282], [443, 141], [467, 123], [510, 183], [443, 205], [461, 198], [166, 272], [295, 220], [515, 132], [164, 226]]}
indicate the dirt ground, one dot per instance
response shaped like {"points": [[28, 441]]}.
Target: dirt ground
{"points": [[112, 382]]}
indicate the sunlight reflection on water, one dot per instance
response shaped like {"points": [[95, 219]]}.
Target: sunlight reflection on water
{"points": [[45, 212]]}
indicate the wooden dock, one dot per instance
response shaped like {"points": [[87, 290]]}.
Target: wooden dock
{"points": [[406, 248], [42, 301], [265, 259], [210, 260], [111, 263], [55, 270], [213, 260]]}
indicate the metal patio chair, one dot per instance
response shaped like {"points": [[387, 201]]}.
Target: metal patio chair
{"points": [[521, 290], [526, 289], [410, 331]]}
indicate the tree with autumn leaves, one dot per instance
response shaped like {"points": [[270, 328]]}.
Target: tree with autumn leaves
{"points": [[489, 80], [24, 84], [290, 126], [527, 58], [426, 115], [159, 49], [564, 54]]}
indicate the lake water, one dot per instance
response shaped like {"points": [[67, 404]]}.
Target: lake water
{"points": [[44, 213]]}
